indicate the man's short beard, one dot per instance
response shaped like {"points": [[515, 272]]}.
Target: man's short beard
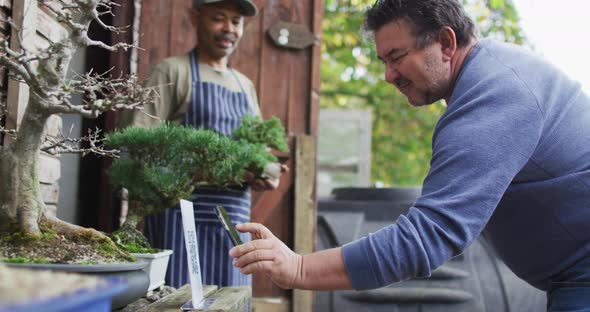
{"points": [[438, 88]]}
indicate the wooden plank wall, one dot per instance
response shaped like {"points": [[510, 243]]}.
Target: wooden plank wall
{"points": [[119, 62], [166, 30]]}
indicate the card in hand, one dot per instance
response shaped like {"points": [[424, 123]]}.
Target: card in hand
{"points": [[229, 227]]}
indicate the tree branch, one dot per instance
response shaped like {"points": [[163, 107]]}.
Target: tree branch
{"points": [[10, 132], [78, 16], [18, 62], [67, 144], [102, 94]]}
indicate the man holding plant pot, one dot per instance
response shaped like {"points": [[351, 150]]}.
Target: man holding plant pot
{"points": [[201, 90]]}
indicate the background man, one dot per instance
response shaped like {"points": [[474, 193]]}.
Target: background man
{"points": [[200, 89], [510, 158]]}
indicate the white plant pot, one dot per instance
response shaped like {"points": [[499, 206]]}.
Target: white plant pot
{"points": [[156, 269]]}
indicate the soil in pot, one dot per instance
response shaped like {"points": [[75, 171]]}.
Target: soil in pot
{"points": [[55, 248]]}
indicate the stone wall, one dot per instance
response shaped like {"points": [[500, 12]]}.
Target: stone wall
{"points": [[49, 30], [14, 95]]}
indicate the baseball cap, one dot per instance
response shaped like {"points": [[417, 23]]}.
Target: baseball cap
{"points": [[248, 7]]}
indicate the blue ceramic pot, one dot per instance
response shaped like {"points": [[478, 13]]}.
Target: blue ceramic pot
{"points": [[86, 300], [131, 273]]}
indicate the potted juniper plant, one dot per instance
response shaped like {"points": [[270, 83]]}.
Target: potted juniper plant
{"points": [[159, 166]]}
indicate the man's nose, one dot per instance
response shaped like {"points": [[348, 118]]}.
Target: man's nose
{"points": [[391, 73], [228, 26]]}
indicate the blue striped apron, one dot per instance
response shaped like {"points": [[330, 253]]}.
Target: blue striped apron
{"points": [[213, 107]]}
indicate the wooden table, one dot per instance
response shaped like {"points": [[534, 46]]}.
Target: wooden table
{"points": [[226, 299]]}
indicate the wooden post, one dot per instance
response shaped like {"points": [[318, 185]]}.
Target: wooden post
{"points": [[271, 304], [24, 15], [316, 60], [305, 210]]}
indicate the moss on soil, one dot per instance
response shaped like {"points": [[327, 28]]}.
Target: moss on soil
{"points": [[53, 248], [138, 249], [25, 260]]}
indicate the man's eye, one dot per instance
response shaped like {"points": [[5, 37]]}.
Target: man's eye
{"points": [[396, 59]]}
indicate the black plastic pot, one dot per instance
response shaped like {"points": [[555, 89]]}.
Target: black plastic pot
{"points": [[396, 194]]}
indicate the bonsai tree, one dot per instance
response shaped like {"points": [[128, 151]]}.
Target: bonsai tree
{"points": [[24, 219], [162, 165]]}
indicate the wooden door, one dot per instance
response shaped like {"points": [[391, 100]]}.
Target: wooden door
{"points": [[287, 83]]}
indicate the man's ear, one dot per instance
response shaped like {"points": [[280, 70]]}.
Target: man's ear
{"points": [[448, 42]]}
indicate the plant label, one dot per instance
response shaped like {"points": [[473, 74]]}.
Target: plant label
{"points": [[192, 251]]}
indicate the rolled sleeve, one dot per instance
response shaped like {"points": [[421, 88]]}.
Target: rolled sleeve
{"points": [[358, 265]]}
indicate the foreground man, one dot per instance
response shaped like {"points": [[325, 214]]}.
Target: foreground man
{"points": [[511, 158]]}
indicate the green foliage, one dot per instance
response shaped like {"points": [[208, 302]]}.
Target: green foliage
{"points": [[164, 164], [159, 164], [352, 77], [255, 131]]}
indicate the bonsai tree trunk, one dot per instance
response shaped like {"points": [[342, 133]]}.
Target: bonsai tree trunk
{"points": [[21, 207], [128, 236]]}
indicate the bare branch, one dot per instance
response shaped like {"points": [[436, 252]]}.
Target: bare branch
{"points": [[113, 48], [10, 132], [64, 15], [18, 62], [79, 14], [66, 144], [102, 94]]}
